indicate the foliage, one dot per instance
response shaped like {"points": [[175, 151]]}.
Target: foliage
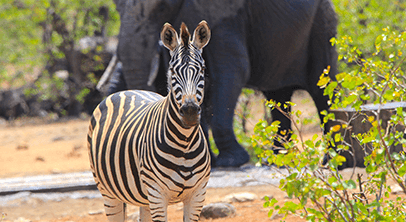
{"points": [[371, 43], [322, 193], [20, 34], [362, 19], [41, 35], [242, 119]]}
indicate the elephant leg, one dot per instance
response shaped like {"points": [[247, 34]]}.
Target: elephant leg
{"points": [[322, 54], [229, 69], [281, 96], [231, 153], [321, 104]]}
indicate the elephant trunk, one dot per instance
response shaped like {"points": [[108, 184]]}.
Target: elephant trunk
{"points": [[136, 50]]}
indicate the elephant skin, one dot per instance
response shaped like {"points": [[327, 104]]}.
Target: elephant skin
{"points": [[272, 46]]}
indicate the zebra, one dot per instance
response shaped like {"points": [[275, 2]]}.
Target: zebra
{"points": [[148, 150]]}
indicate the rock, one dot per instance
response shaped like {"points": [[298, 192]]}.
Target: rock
{"points": [[96, 212], [22, 219], [56, 171], [240, 197], [22, 147], [396, 189], [3, 122], [134, 217], [218, 210], [40, 159], [58, 138], [275, 216], [62, 74]]}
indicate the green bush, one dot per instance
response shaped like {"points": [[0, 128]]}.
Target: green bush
{"points": [[322, 193], [30, 39], [38, 37]]}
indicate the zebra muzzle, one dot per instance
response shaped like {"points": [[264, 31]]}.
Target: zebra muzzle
{"points": [[190, 113]]}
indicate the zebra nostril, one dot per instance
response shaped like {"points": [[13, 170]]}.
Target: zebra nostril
{"points": [[190, 110], [182, 110]]}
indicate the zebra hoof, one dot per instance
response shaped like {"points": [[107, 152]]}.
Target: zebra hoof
{"points": [[232, 158]]}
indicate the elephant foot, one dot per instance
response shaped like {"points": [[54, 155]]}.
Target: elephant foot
{"points": [[232, 158]]}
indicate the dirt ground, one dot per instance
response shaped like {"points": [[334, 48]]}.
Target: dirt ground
{"points": [[33, 146], [38, 148]]}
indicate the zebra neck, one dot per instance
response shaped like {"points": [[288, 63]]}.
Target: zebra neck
{"points": [[174, 123]]}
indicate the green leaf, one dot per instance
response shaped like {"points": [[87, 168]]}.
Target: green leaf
{"points": [[270, 212], [378, 42], [388, 95], [332, 180], [350, 184], [323, 81], [329, 90], [402, 170], [292, 207]]}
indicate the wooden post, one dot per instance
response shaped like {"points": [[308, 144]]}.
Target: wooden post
{"points": [[358, 124]]}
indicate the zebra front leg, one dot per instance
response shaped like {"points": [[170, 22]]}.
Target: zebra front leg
{"points": [[157, 206], [192, 207], [114, 209]]}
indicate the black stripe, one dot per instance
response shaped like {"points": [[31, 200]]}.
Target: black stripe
{"points": [[104, 150]]}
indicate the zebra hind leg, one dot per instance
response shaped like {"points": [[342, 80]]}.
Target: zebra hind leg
{"points": [[114, 209]]}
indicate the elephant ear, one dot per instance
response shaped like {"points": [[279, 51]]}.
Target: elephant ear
{"points": [[201, 35], [169, 37]]}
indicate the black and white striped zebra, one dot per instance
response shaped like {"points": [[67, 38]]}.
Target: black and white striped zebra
{"points": [[150, 150]]}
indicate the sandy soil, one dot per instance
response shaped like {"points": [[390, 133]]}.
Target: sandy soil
{"points": [[40, 148]]}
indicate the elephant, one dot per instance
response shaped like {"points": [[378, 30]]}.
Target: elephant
{"points": [[275, 47]]}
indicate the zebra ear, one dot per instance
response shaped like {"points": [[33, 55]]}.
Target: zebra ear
{"points": [[169, 37], [184, 35], [201, 35]]}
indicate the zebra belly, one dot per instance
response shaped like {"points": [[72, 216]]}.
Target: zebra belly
{"points": [[169, 190]]}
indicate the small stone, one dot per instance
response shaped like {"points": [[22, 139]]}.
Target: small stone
{"points": [[240, 197], [22, 219], [56, 171], [218, 210], [22, 147], [3, 122], [134, 217], [62, 74], [58, 138], [275, 216], [396, 189], [40, 158], [96, 212]]}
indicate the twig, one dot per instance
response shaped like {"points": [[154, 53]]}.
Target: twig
{"points": [[338, 209], [320, 207]]}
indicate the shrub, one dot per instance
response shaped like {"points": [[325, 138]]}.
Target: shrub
{"points": [[322, 193]]}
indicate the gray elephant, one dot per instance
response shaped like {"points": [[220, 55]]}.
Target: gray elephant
{"points": [[275, 46]]}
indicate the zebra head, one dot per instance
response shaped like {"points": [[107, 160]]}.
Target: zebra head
{"points": [[186, 69]]}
